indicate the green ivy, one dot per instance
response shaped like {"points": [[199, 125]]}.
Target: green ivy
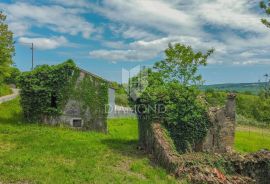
{"points": [[173, 85], [39, 86], [183, 114], [46, 90], [92, 93]]}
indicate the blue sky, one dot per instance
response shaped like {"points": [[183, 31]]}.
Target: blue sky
{"points": [[104, 36]]}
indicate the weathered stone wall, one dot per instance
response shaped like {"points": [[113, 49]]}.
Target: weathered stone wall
{"points": [[201, 167], [75, 110], [255, 165], [162, 150], [220, 136], [186, 166]]}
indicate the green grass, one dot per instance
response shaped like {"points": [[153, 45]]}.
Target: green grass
{"points": [[5, 90], [31, 153], [252, 139]]}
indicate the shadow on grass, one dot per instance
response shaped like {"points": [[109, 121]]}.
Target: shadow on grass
{"points": [[124, 147]]}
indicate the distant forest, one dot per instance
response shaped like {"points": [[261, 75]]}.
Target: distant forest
{"points": [[253, 88]]}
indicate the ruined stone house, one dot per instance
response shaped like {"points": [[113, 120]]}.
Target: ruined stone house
{"points": [[77, 115], [220, 136]]}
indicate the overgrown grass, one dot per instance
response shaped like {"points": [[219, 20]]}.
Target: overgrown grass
{"points": [[252, 139], [31, 153], [5, 90]]}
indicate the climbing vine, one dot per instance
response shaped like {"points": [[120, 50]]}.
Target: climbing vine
{"points": [[46, 90], [92, 93], [173, 85]]}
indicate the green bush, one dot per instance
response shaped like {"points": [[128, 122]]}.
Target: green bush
{"points": [[172, 97], [186, 118], [45, 90], [13, 77]]}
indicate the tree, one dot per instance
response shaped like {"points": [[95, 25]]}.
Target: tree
{"points": [[7, 49], [266, 7], [173, 85], [13, 77], [181, 64]]}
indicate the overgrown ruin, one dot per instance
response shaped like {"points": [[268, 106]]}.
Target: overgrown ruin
{"points": [[220, 136], [214, 160], [66, 94]]}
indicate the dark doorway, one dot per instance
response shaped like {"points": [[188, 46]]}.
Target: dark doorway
{"points": [[53, 101]]}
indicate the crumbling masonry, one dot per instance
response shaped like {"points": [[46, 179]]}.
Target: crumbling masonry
{"points": [[220, 136]]}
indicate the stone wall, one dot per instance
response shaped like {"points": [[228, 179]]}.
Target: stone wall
{"points": [[76, 110], [220, 136], [194, 167], [254, 165], [77, 115], [201, 167]]}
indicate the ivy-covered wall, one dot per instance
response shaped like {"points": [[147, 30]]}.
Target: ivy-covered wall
{"points": [[62, 93], [89, 99]]}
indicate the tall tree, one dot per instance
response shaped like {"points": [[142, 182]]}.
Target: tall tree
{"points": [[7, 49], [173, 96], [265, 5], [181, 64]]}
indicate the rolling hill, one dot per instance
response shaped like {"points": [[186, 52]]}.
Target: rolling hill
{"points": [[238, 87]]}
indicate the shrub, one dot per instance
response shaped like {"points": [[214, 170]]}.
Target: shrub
{"points": [[173, 86], [45, 90], [13, 77]]}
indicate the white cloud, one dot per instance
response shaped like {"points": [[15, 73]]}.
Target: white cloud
{"points": [[257, 61], [237, 27], [143, 28], [19, 28], [235, 14], [23, 16], [133, 32], [72, 3], [160, 15], [121, 55], [45, 43], [144, 50], [114, 44]]}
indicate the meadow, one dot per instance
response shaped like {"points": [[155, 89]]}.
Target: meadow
{"points": [[252, 139], [33, 153]]}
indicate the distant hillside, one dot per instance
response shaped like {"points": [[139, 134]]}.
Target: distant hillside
{"points": [[239, 87]]}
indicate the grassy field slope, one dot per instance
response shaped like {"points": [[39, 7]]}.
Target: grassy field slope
{"points": [[252, 139], [31, 153], [41, 154]]}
